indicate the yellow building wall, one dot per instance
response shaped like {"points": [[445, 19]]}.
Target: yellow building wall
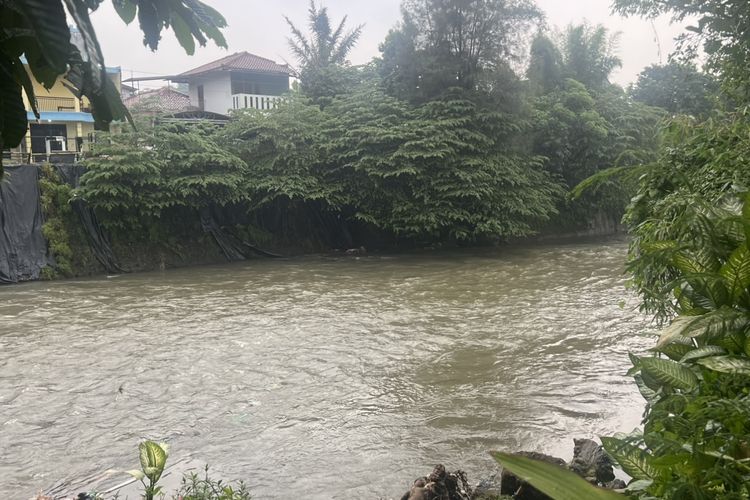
{"points": [[67, 98], [61, 91]]}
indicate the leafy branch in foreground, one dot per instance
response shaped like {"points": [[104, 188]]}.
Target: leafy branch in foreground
{"points": [[696, 437], [37, 32], [554, 481]]}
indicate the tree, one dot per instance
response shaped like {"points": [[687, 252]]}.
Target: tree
{"points": [[322, 53], [134, 178], [545, 65], [442, 171], [588, 54], [677, 87], [583, 125], [450, 43], [38, 31], [722, 31]]}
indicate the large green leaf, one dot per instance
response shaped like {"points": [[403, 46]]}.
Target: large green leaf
{"points": [[126, 9], [670, 373], [101, 92], [554, 481], [153, 458], [48, 20], [184, 35], [92, 53], [746, 218], [189, 18], [675, 351], [150, 23], [12, 109], [733, 341], [632, 459], [209, 20], [706, 326], [647, 393], [703, 352], [736, 272], [688, 265], [22, 78], [675, 330], [727, 364]]}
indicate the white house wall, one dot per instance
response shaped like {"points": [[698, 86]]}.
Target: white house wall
{"points": [[217, 93]]}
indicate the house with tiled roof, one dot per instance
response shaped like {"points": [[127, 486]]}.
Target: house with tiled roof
{"points": [[65, 126], [237, 81], [164, 100]]}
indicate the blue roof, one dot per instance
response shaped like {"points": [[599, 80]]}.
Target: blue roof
{"points": [[61, 116]]}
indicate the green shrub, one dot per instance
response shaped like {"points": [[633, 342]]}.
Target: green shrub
{"points": [[194, 487], [55, 197], [695, 442]]}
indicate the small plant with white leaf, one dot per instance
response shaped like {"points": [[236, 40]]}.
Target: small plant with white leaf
{"points": [[153, 458]]}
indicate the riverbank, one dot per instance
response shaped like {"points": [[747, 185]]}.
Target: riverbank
{"points": [[50, 233]]}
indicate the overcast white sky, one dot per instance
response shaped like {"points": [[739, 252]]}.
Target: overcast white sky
{"points": [[258, 27]]}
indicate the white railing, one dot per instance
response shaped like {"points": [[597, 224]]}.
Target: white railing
{"points": [[255, 101]]}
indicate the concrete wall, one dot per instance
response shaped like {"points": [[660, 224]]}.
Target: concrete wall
{"points": [[217, 93]]}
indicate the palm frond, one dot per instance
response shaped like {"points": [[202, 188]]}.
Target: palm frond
{"points": [[298, 43], [345, 46]]}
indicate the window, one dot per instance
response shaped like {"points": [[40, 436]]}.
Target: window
{"points": [[42, 133]]}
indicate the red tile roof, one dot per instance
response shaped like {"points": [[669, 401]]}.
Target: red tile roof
{"points": [[164, 100], [240, 61]]}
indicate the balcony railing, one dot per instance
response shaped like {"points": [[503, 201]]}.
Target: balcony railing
{"points": [[52, 149], [56, 103], [255, 101]]}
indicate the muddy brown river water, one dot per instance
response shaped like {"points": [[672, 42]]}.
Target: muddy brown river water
{"points": [[317, 377]]}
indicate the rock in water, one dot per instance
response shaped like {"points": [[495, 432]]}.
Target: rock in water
{"points": [[519, 489], [487, 489], [440, 485], [591, 462]]}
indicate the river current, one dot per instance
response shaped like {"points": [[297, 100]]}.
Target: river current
{"points": [[318, 377]]}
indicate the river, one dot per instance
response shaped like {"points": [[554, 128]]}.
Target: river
{"points": [[317, 377]]}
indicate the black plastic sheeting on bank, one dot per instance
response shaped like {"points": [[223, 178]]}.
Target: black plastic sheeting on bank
{"points": [[233, 248], [97, 238], [23, 249], [229, 247]]}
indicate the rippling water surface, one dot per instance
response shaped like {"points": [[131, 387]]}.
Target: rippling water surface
{"points": [[316, 377]]}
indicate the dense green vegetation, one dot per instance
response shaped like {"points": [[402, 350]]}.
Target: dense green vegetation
{"points": [[437, 141], [443, 140], [690, 262], [678, 87]]}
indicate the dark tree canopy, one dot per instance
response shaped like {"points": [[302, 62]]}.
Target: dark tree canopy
{"points": [[589, 54], [450, 43], [677, 87], [545, 65], [323, 53], [722, 31], [583, 52]]}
